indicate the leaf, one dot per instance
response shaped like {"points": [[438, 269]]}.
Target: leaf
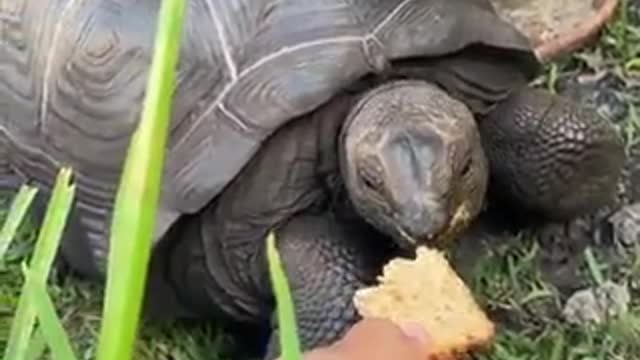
{"points": [[37, 345], [43, 256], [594, 267], [17, 212], [134, 214], [289, 340], [51, 328]]}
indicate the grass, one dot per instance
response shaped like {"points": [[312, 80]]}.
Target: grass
{"points": [[134, 217], [507, 279], [289, 341], [31, 305]]}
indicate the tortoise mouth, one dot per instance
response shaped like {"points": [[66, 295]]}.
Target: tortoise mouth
{"points": [[407, 241], [457, 224]]}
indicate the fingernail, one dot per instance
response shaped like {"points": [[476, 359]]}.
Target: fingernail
{"points": [[415, 331]]}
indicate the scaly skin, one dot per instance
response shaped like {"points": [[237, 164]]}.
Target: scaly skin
{"points": [[327, 260], [567, 168]]}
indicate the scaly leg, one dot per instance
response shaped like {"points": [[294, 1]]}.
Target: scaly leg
{"points": [[326, 261], [550, 156]]}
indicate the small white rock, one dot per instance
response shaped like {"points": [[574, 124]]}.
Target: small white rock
{"points": [[597, 304], [626, 225]]}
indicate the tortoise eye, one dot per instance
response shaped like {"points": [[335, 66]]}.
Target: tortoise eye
{"points": [[370, 179], [466, 168]]}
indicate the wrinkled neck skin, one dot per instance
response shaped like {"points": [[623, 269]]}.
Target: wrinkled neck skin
{"points": [[330, 131]]}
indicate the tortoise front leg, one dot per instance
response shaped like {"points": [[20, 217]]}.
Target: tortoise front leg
{"points": [[326, 261], [550, 156]]}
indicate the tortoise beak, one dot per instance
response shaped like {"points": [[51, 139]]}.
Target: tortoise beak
{"points": [[422, 219]]}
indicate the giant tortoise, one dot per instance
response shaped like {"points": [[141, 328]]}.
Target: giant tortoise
{"points": [[350, 107]]}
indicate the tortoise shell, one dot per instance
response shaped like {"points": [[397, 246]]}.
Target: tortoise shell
{"points": [[73, 75]]}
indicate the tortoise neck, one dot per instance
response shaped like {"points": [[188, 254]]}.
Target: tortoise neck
{"points": [[328, 123]]}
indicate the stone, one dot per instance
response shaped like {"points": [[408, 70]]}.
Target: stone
{"points": [[597, 304]]}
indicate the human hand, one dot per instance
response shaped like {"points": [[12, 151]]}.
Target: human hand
{"points": [[376, 339]]}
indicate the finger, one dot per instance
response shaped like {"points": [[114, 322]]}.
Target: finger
{"points": [[385, 330], [325, 353], [382, 339]]}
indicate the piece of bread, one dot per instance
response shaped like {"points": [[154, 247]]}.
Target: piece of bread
{"points": [[428, 291]]}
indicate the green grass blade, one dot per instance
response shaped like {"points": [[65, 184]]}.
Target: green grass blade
{"points": [[43, 256], [17, 212], [594, 267], [135, 206], [50, 325], [289, 340], [37, 345]]}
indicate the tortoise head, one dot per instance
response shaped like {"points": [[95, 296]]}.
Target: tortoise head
{"points": [[413, 163]]}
